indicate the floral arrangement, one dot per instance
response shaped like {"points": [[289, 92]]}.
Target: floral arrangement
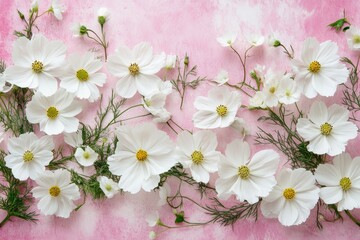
{"points": [[47, 146]]}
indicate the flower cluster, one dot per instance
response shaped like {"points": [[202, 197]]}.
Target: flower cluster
{"points": [[45, 91]]}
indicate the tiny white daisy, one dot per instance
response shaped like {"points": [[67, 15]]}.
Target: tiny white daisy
{"points": [[86, 157], [57, 8], [227, 39], [353, 38], [103, 15], [108, 186], [170, 61], [222, 77], [56, 193]]}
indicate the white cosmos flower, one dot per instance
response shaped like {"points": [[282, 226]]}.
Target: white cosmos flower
{"points": [[273, 40], [222, 77], [247, 178], [57, 8], [103, 12], [353, 38], [198, 153], [55, 114], [292, 198], [319, 70], [227, 40], [82, 76], [271, 86], [142, 153], [218, 110], [28, 155], [170, 61], [56, 193], [255, 39], [327, 129], [341, 182], [136, 69], [86, 157], [155, 102], [288, 91], [108, 186], [36, 63]]}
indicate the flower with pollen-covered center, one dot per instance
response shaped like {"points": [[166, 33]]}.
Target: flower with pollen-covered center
{"points": [[197, 157], [353, 38], [319, 71], [135, 70], [198, 153], [28, 155], [82, 76], [55, 114], [221, 110], [340, 181], [289, 193], [56, 193], [247, 178], [314, 67], [141, 155], [36, 64], [326, 129], [218, 109], [291, 200]]}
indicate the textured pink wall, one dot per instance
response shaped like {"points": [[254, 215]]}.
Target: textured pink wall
{"points": [[179, 27]]}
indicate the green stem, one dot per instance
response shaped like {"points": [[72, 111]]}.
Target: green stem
{"points": [[7, 218], [357, 222]]}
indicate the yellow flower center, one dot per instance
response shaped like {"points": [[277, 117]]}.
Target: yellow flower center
{"points": [[288, 93], [86, 155], [37, 66], [356, 39], [272, 89], [108, 187], [141, 155], [54, 191], [197, 157], [221, 110], [244, 172], [52, 112], [134, 69], [325, 129], [345, 183], [28, 156], [82, 75], [289, 193], [314, 67]]}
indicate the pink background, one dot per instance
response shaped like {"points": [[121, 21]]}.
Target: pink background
{"points": [[179, 27]]}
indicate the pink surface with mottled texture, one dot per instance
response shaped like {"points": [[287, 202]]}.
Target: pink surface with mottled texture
{"points": [[179, 27]]}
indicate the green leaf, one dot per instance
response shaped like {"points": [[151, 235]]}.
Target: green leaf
{"points": [[338, 24], [179, 217]]}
